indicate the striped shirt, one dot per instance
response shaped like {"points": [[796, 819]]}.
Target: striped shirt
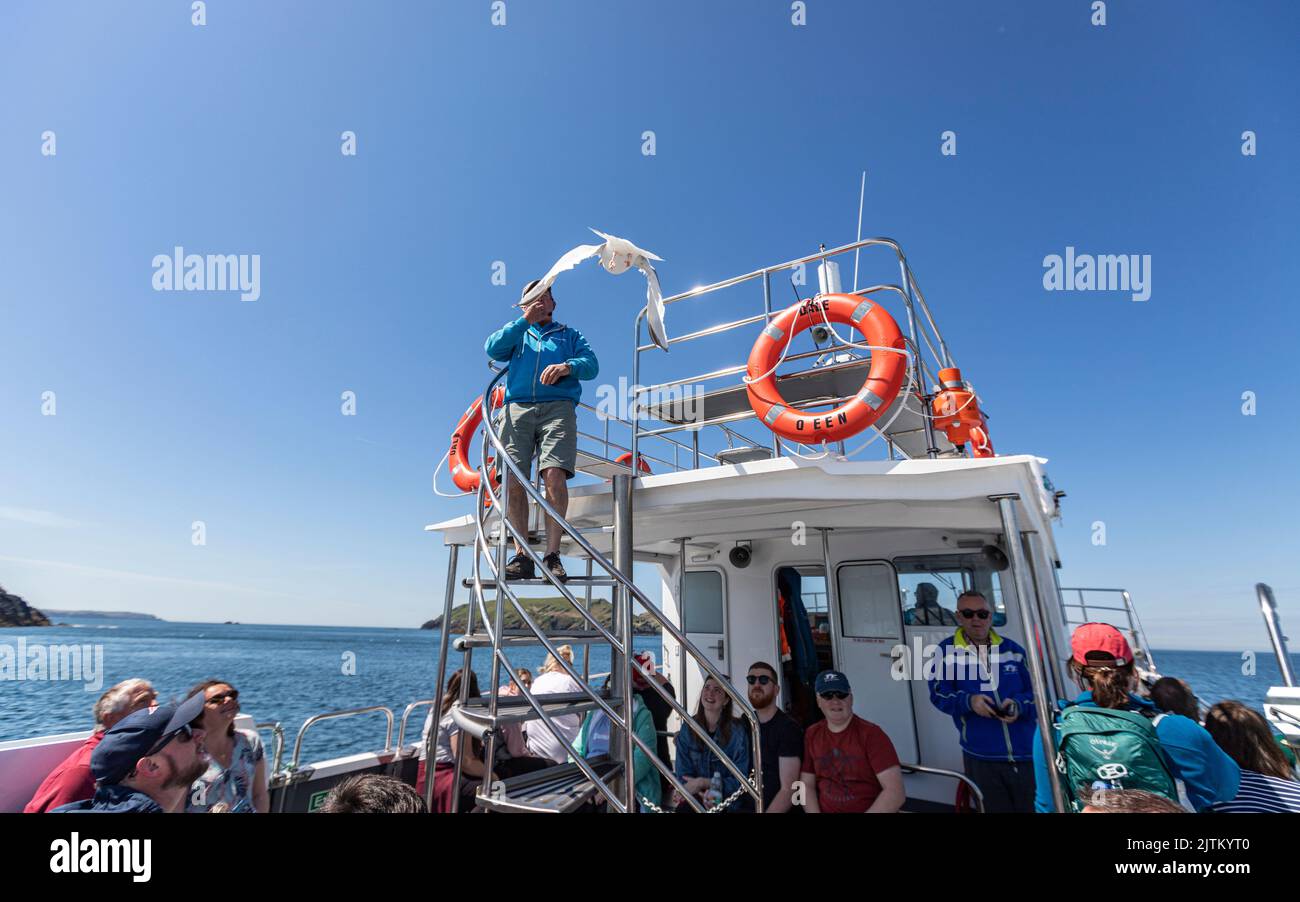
{"points": [[1262, 793]]}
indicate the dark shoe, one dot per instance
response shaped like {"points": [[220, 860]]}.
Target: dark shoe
{"points": [[520, 567], [552, 563]]}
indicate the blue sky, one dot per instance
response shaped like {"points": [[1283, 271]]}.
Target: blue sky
{"points": [[479, 143]]}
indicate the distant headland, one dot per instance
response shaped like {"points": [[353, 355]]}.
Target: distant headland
{"points": [[552, 614], [116, 615], [16, 612]]}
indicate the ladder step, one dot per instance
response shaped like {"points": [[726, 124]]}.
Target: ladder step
{"points": [[580, 581], [527, 637], [553, 790], [600, 467]]}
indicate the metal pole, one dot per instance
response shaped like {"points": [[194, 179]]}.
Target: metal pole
{"points": [[695, 449], [1268, 605], [636, 379], [586, 646], [621, 662], [681, 617], [443, 641], [832, 596], [1037, 671], [1048, 626]]}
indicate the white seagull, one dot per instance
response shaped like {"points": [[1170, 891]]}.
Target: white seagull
{"points": [[617, 256]]}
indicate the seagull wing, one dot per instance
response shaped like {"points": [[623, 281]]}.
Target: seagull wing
{"points": [[636, 250], [654, 304], [565, 263]]}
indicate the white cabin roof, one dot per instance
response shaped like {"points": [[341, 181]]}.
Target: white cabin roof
{"points": [[767, 497]]}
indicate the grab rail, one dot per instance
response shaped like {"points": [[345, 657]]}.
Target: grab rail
{"points": [[334, 715], [278, 732], [976, 792], [422, 703], [1268, 605], [752, 784]]}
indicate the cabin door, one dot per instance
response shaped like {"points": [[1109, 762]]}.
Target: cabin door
{"points": [[704, 620], [868, 627]]}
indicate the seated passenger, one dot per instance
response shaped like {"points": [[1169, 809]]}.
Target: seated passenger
{"points": [[1173, 696], [72, 780], [553, 680], [236, 777], [928, 611], [373, 794], [697, 765], [593, 740], [1267, 781], [849, 764], [451, 745], [1144, 749]]}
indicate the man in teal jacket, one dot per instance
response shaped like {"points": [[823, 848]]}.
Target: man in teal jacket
{"points": [[547, 362]]}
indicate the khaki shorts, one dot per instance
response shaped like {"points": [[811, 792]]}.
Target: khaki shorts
{"points": [[548, 429]]}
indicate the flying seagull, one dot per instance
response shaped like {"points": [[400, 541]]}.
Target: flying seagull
{"points": [[617, 255]]}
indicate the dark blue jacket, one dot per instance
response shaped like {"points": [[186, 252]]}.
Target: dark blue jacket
{"points": [[960, 676], [1208, 774], [530, 349], [113, 798]]}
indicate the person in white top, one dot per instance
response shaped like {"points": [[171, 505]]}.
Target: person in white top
{"points": [[551, 681]]}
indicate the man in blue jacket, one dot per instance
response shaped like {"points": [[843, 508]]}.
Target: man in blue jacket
{"points": [[547, 362], [983, 684]]}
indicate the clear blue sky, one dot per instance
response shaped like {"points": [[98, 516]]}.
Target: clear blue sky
{"points": [[479, 143]]}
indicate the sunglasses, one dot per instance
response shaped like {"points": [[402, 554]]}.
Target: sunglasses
{"points": [[233, 695], [834, 696], [982, 614], [183, 735], [762, 679]]}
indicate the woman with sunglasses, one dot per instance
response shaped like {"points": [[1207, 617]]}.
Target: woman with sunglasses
{"points": [[235, 780], [696, 763]]}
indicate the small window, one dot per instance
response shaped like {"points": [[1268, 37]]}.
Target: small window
{"points": [[928, 587], [703, 602], [867, 605]]}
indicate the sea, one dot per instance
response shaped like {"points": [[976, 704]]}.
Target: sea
{"points": [[287, 674], [284, 674]]}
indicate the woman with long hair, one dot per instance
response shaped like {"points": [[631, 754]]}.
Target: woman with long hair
{"points": [[452, 744], [1267, 781], [697, 764], [235, 780], [1144, 745]]}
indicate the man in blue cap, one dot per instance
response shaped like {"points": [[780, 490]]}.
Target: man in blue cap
{"points": [[147, 762], [849, 764]]}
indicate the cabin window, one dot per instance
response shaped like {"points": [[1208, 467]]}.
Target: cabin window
{"points": [[702, 607], [928, 587], [867, 605]]}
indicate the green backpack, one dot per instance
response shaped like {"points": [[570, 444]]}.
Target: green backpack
{"points": [[1105, 748]]}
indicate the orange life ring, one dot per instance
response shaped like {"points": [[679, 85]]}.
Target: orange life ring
{"points": [[626, 460], [884, 379], [463, 473]]}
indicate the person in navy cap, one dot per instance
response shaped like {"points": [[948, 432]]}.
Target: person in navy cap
{"points": [[849, 764], [147, 762]]}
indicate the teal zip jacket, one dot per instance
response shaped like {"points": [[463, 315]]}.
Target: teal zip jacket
{"points": [[643, 725], [530, 349]]}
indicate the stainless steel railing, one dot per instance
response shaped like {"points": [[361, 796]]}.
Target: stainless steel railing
{"points": [[909, 291], [1268, 606], [975, 791], [1128, 609], [335, 715], [277, 732], [490, 502]]}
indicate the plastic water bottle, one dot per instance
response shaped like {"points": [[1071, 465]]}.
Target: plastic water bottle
{"points": [[714, 795]]}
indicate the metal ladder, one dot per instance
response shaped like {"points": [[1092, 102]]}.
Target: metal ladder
{"points": [[484, 718]]}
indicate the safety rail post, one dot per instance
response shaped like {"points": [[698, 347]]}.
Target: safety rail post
{"points": [[621, 660], [1268, 606], [431, 743], [1033, 634]]}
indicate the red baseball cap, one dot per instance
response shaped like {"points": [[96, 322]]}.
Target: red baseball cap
{"points": [[1099, 639]]}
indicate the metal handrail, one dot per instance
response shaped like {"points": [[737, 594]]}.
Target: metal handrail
{"points": [[1268, 605], [754, 787], [955, 775], [278, 732], [333, 715], [406, 713], [1129, 609]]}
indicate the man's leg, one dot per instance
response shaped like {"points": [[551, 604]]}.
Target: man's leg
{"points": [[557, 493], [517, 508], [988, 776], [1022, 787], [518, 435]]}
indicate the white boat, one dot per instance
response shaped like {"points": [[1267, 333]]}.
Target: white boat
{"points": [[727, 513]]}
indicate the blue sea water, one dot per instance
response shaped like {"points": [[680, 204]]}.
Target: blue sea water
{"points": [[289, 673], [283, 673]]}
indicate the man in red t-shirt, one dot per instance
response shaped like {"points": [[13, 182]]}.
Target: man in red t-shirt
{"points": [[849, 764], [72, 780]]}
